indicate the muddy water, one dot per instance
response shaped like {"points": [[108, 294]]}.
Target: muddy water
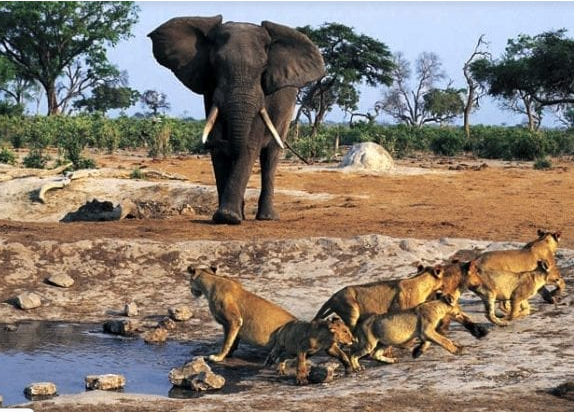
{"points": [[66, 353]]}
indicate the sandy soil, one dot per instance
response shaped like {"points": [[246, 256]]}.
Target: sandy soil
{"points": [[336, 228]]}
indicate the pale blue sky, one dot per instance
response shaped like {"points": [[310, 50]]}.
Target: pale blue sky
{"points": [[449, 29]]}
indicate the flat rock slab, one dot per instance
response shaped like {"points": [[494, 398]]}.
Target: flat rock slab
{"points": [[105, 382]]}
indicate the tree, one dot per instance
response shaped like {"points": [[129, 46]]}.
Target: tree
{"points": [[350, 60], [424, 103], [155, 101], [534, 73], [62, 45], [107, 97], [475, 90]]}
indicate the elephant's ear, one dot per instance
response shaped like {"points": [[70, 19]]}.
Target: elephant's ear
{"points": [[293, 59], [181, 44]]}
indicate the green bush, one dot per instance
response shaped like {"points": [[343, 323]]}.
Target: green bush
{"points": [[542, 164], [7, 156], [448, 142], [36, 159]]}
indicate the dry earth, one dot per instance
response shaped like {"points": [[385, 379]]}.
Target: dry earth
{"points": [[336, 228]]}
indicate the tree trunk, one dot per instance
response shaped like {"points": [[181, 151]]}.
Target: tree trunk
{"points": [[53, 107]]}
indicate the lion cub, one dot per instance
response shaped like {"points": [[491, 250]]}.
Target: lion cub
{"points": [[516, 288], [243, 314], [524, 259], [378, 332], [354, 303], [301, 339]]}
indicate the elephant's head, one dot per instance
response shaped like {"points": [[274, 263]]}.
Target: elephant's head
{"points": [[249, 76], [235, 65]]}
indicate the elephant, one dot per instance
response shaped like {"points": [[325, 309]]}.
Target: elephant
{"points": [[249, 76]]}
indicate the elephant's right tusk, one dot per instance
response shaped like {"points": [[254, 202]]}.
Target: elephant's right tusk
{"points": [[272, 129], [211, 118]]}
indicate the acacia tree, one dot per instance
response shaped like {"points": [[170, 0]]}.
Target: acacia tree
{"points": [[534, 73], [62, 45], [155, 101], [351, 59], [423, 103]]}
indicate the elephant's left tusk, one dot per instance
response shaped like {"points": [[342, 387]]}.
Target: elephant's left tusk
{"points": [[272, 129], [210, 123]]}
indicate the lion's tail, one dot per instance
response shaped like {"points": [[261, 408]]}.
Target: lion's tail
{"points": [[325, 311]]}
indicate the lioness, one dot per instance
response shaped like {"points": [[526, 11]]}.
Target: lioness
{"points": [[402, 327], [243, 314], [524, 259], [301, 339], [354, 303], [516, 288]]}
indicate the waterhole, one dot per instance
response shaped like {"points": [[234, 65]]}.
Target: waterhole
{"points": [[66, 353]]}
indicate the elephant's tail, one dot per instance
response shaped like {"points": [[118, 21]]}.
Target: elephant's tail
{"points": [[325, 311]]}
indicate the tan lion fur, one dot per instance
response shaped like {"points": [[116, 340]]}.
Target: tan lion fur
{"points": [[515, 288], [354, 303], [302, 339], [377, 332], [524, 259], [243, 314]]}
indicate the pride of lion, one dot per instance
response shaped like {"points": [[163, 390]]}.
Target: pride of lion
{"points": [[370, 319]]}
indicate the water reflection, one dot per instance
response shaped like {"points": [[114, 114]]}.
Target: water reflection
{"points": [[66, 353]]}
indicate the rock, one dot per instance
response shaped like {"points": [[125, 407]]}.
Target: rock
{"points": [[128, 209], [565, 390], [368, 156], [61, 279], [167, 323], [157, 335], [94, 211], [28, 300], [121, 327], [187, 210], [1, 400], [131, 309], [182, 376], [105, 382], [206, 381], [323, 373], [180, 313], [40, 389]]}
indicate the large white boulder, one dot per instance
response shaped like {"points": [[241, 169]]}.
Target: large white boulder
{"points": [[368, 156]]}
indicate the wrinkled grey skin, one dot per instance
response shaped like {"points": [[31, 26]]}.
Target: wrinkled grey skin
{"points": [[240, 68]]}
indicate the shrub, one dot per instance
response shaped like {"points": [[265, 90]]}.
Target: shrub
{"points": [[448, 142], [7, 156], [542, 164], [36, 159]]}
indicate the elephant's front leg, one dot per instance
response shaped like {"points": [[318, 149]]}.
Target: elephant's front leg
{"points": [[269, 158], [232, 176]]}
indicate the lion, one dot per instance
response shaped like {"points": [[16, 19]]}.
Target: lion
{"points": [[302, 339], [525, 259], [377, 332], [354, 303], [515, 288], [243, 314]]}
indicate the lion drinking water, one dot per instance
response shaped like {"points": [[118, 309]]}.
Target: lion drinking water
{"points": [[243, 314]]}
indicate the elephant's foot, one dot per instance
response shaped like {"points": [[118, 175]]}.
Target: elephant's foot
{"points": [[267, 216], [227, 217]]}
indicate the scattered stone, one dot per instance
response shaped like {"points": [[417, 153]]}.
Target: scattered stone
{"points": [[182, 376], [61, 279], [368, 156], [167, 323], [126, 327], [187, 210], [131, 309], [105, 382], [206, 381], [565, 390], [180, 313], [323, 373], [28, 300], [40, 389], [10, 328], [157, 335]]}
